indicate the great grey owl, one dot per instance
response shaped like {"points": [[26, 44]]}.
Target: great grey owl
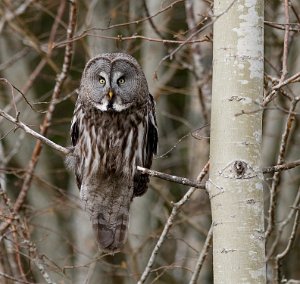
{"points": [[113, 131]]}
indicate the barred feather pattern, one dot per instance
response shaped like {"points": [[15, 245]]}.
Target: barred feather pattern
{"points": [[108, 146]]}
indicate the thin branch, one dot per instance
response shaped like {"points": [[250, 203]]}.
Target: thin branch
{"points": [[293, 79], [155, 29], [290, 243], [35, 134], [136, 22], [282, 167], [286, 41], [283, 224], [196, 54], [189, 38], [293, 27], [4, 275], [280, 160], [176, 208], [172, 178], [133, 37], [10, 15], [14, 101], [202, 256]]}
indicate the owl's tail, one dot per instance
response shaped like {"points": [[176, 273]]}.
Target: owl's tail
{"points": [[111, 232], [108, 208]]}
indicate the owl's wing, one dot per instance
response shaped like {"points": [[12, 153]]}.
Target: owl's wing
{"points": [[74, 139], [141, 180], [74, 132]]}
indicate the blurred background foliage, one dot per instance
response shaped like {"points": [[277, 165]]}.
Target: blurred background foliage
{"points": [[51, 237]]}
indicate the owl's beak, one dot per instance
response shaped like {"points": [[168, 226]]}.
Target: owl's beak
{"points": [[110, 94]]}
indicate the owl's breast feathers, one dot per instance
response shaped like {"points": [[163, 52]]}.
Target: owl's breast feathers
{"points": [[113, 143]]}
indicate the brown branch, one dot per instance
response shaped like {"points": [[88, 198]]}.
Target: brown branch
{"points": [[136, 22], [155, 29], [196, 54], [202, 256], [283, 224], [295, 28], [172, 178], [133, 37], [285, 42], [291, 241], [189, 38], [280, 160], [282, 167], [293, 79], [33, 133], [14, 279]]}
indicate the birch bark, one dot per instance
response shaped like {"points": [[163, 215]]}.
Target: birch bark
{"points": [[235, 184]]}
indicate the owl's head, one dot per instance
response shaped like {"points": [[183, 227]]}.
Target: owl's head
{"points": [[113, 82]]}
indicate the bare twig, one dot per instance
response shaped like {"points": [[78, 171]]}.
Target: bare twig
{"points": [[189, 38], [293, 79], [176, 208], [293, 27], [155, 29], [284, 223], [10, 15], [202, 256], [280, 160], [172, 178], [282, 167], [133, 37], [196, 53], [136, 22], [286, 41], [4, 275], [281, 255], [35, 134], [14, 102]]}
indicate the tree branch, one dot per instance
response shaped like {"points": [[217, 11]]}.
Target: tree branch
{"points": [[172, 178], [35, 134], [202, 256]]}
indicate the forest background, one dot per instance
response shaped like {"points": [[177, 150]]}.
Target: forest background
{"points": [[45, 235]]}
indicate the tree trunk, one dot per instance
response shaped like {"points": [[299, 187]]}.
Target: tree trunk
{"points": [[235, 185]]}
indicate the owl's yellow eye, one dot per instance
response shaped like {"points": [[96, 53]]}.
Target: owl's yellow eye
{"points": [[121, 81], [102, 81]]}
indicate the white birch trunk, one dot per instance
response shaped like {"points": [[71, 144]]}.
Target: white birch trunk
{"points": [[235, 184]]}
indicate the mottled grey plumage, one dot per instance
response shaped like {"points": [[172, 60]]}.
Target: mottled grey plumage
{"points": [[113, 131]]}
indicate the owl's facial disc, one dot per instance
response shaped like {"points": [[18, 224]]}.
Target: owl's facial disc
{"points": [[114, 82]]}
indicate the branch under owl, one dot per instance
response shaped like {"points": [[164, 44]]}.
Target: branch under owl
{"points": [[177, 179], [153, 173]]}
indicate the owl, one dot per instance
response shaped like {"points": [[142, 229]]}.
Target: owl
{"points": [[113, 131]]}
